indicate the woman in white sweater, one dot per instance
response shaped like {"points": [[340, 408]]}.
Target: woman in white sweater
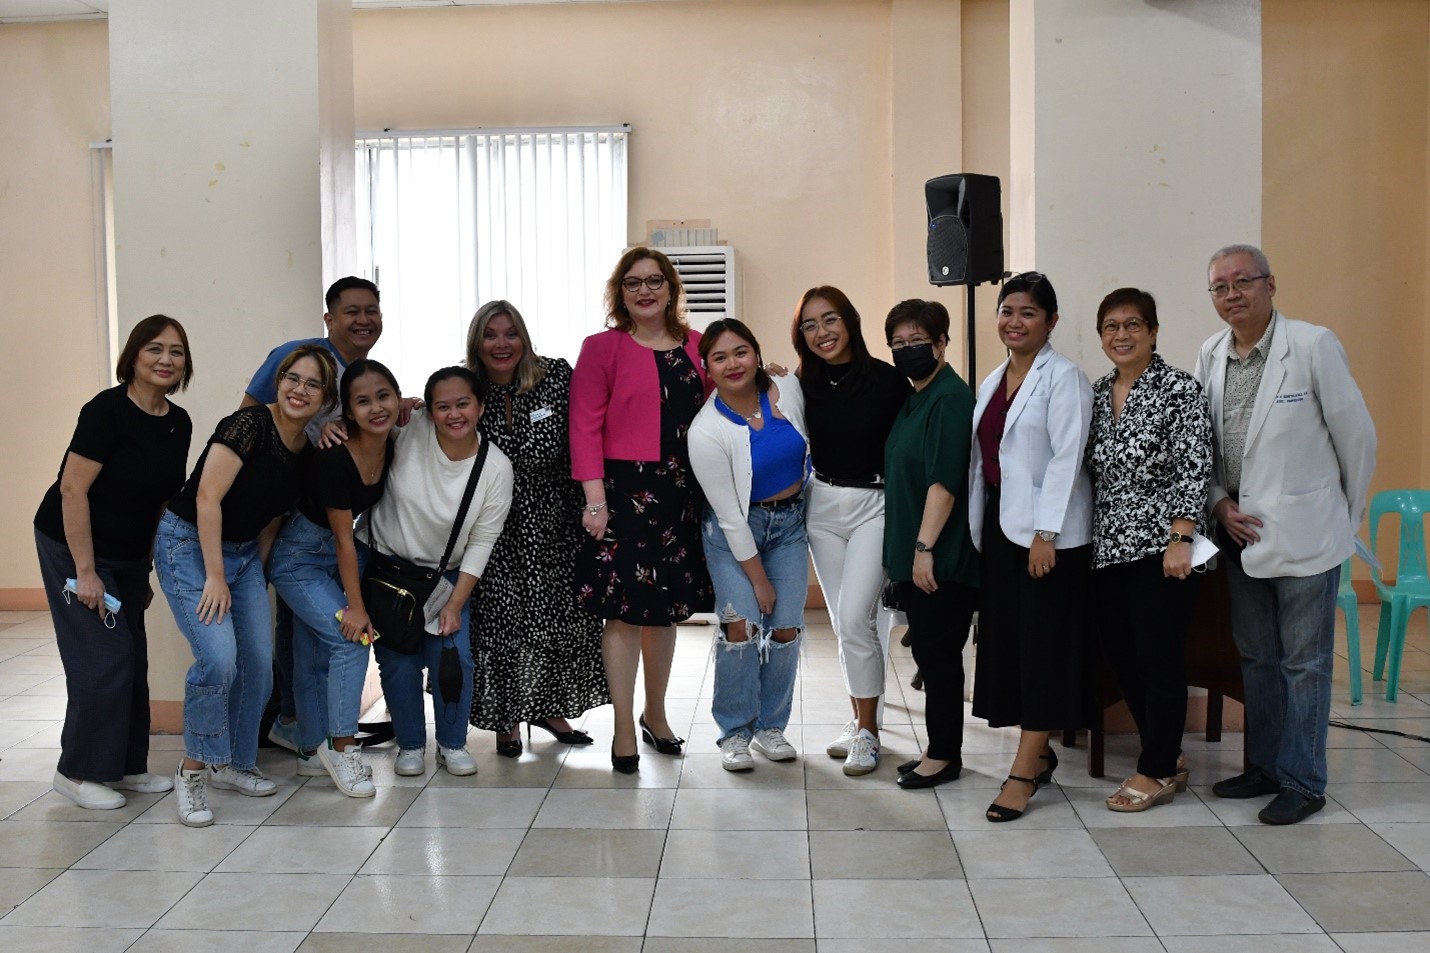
{"points": [[414, 520], [749, 451]]}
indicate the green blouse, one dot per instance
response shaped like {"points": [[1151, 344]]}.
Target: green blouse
{"points": [[930, 443]]}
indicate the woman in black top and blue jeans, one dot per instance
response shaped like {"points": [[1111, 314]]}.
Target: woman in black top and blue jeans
{"points": [[96, 526], [209, 555]]}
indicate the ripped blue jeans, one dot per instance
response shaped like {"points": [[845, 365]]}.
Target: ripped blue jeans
{"points": [[754, 679]]}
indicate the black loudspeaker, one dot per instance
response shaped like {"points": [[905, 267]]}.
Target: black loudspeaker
{"points": [[965, 242]]}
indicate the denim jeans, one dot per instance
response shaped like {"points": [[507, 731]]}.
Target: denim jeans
{"points": [[232, 675], [328, 670], [402, 686], [754, 679], [1284, 628]]}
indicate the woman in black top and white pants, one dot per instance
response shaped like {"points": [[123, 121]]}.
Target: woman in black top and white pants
{"points": [[851, 401], [96, 526]]}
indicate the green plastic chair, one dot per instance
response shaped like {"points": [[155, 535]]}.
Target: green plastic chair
{"points": [[1346, 600], [1410, 589]]}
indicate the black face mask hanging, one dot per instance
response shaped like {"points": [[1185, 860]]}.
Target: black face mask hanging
{"points": [[916, 361]]}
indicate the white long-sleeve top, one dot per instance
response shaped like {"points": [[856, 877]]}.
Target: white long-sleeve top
{"points": [[424, 490], [720, 457]]}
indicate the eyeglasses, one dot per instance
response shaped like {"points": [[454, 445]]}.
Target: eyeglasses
{"points": [[653, 282], [826, 323], [1131, 326], [916, 342], [306, 383], [1242, 286]]}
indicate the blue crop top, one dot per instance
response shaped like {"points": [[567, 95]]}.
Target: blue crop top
{"points": [[777, 451]]}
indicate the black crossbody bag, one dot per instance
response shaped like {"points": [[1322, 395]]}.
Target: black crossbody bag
{"points": [[396, 590]]}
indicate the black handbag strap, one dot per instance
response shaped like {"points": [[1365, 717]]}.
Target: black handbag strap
{"points": [[466, 504], [467, 495]]}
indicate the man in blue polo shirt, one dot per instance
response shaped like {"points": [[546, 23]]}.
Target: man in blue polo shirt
{"points": [[354, 322]]}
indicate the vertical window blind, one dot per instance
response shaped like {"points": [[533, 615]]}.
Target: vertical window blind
{"points": [[449, 220]]}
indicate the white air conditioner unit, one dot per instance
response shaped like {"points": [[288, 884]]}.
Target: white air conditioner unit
{"points": [[708, 274]]}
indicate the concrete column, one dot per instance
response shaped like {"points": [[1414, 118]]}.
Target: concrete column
{"points": [[1135, 153], [233, 181]]}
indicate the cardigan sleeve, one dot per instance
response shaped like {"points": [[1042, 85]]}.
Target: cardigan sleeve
{"points": [[591, 385], [712, 457]]}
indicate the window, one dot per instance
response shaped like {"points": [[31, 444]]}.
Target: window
{"points": [[447, 221]]}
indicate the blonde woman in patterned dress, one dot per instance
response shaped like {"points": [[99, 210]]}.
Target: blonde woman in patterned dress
{"points": [[536, 653]]}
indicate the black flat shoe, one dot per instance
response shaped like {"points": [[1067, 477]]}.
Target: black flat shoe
{"points": [[1253, 783], [908, 766], [572, 737], [999, 814], [663, 745], [625, 763], [1290, 807], [913, 781], [1045, 776], [509, 749]]}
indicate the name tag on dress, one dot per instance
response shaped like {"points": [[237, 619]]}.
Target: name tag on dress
{"points": [[541, 413]]}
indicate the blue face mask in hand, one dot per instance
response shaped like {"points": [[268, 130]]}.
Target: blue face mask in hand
{"points": [[916, 361]]}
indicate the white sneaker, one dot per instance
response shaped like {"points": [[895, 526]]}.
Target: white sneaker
{"points": [[863, 754], [309, 766], [284, 735], [191, 796], [735, 754], [771, 743], [346, 769], [411, 762], [248, 782], [90, 795], [145, 783], [839, 747], [456, 760]]}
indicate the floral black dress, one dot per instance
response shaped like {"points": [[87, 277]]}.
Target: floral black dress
{"points": [[650, 568], [535, 652]]}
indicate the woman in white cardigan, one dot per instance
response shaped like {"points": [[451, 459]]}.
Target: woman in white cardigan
{"points": [[1030, 515], [749, 451]]}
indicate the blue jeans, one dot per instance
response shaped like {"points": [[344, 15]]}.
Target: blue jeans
{"points": [[1284, 628], [754, 679], [232, 675], [402, 686], [328, 670]]}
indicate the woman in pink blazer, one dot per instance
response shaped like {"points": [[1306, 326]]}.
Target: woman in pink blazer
{"points": [[636, 388]]}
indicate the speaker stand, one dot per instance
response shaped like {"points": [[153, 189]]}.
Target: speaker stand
{"points": [[968, 316]]}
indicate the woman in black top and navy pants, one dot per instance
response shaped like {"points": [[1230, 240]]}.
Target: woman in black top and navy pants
{"points": [[96, 526], [851, 401]]}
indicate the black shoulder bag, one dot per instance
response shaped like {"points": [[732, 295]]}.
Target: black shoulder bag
{"points": [[397, 589]]}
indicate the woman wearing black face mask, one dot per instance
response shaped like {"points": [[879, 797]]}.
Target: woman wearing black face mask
{"points": [[1031, 518], [927, 549]]}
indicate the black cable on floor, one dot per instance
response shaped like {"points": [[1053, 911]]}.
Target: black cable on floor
{"points": [[1378, 731]]}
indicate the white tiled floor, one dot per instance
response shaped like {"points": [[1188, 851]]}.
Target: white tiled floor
{"points": [[556, 853]]}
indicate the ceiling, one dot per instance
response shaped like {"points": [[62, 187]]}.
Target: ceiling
{"points": [[36, 11]]}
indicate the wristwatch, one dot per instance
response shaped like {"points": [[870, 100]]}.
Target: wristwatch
{"points": [[1177, 537], [920, 546], [1046, 535]]}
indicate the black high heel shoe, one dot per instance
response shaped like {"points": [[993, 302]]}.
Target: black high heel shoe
{"points": [[572, 737], [1045, 776], [510, 749], [997, 813], [663, 745], [624, 763]]}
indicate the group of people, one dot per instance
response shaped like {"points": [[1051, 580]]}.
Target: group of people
{"points": [[570, 517]]}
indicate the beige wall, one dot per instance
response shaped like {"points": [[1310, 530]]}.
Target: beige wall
{"points": [[1344, 223], [54, 100], [771, 119]]}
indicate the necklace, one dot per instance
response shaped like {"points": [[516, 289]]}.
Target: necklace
{"points": [[757, 415], [843, 374]]}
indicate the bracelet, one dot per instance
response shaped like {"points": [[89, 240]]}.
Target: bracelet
{"points": [[594, 508]]}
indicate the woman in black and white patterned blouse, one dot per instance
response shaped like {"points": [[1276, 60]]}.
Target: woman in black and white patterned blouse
{"points": [[1149, 453]]}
